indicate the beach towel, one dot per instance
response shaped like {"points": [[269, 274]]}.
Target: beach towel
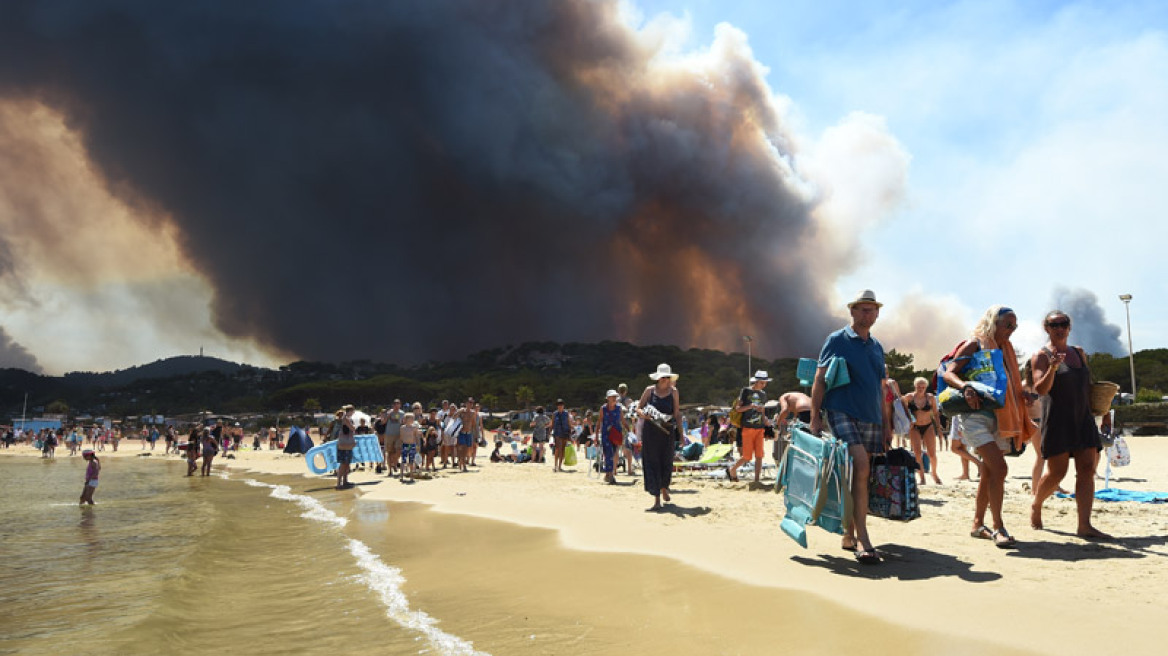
{"points": [[1112, 494], [816, 476]]}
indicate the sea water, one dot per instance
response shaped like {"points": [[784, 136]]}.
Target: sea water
{"points": [[169, 564]]}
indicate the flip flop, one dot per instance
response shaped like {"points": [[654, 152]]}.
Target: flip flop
{"points": [[1003, 540], [850, 547], [982, 532], [868, 557]]}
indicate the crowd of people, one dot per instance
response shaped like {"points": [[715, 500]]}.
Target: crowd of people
{"points": [[1044, 403]]}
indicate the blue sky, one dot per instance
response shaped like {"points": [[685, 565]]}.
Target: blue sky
{"points": [[1037, 137]]}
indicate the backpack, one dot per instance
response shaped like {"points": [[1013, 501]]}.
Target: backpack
{"points": [[735, 414]]}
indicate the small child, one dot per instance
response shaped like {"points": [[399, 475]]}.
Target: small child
{"points": [[92, 470], [409, 439]]}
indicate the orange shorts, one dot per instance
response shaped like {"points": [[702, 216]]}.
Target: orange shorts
{"points": [[752, 443]]}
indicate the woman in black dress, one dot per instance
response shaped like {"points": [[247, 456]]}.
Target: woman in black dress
{"points": [[657, 443], [1063, 380]]}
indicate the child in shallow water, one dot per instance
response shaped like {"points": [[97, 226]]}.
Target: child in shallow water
{"points": [[92, 470]]}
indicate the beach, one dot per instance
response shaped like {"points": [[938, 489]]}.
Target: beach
{"points": [[939, 590]]}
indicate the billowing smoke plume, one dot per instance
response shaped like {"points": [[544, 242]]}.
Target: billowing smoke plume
{"points": [[422, 178], [1089, 328], [15, 356]]}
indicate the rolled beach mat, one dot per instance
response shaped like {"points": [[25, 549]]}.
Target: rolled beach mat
{"points": [[1101, 395]]}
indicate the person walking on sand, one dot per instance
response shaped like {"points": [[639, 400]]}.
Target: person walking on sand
{"points": [[1063, 381], [92, 470], [926, 425], [393, 422], [991, 433], [346, 441], [657, 441], [752, 404], [539, 434], [470, 421], [856, 412], [613, 427], [562, 433], [410, 429]]}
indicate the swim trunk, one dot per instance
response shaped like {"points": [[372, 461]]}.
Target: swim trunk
{"points": [[752, 443], [465, 439], [854, 432], [409, 452], [344, 456], [979, 429]]}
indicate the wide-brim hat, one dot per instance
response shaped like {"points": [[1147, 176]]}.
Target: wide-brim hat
{"points": [[610, 393], [664, 371], [761, 374], [866, 296]]}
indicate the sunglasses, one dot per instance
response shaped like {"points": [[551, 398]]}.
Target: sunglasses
{"points": [[1059, 324]]}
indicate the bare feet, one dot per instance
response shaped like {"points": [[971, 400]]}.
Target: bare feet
{"points": [[962, 478], [937, 480], [1036, 517], [1092, 533], [665, 495]]}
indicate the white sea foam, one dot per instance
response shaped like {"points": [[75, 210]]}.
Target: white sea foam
{"points": [[383, 579]]}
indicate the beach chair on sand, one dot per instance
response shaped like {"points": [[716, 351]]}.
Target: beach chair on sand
{"points": [[815, 476], [713, 458]]}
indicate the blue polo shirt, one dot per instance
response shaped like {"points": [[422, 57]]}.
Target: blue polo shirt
{"points": [[862, 398]]}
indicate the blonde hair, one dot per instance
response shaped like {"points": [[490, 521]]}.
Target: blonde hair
{"points": [[408, 418], [989, 321], [920, 381]]}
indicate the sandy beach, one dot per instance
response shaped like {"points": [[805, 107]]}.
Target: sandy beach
{"points": [[1055, 593]]}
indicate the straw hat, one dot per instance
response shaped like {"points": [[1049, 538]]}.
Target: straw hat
{"points": [[664, 371], [866, 296]]}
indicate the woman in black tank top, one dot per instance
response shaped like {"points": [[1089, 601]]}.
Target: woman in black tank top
{"points": [[657, 444]]}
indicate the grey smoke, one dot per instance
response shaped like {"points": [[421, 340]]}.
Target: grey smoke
{"points": [[423, 178], [1089, 327], [15, 356]]}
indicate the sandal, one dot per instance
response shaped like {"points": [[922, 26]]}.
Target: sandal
{"points": [[982, 532], [1002, 539], [849, 546], [868, 557]]}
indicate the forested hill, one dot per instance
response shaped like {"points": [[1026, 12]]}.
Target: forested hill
{"points": [[177, 366], [510, 377]]}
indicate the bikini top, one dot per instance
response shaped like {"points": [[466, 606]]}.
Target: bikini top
{"points": [[912, 405]]}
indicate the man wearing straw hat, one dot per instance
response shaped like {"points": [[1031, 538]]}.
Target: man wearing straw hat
{"points": [[752, 403], [855, 412]]}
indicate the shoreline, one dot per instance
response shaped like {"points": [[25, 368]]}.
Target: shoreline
{"points": [[946, 581]]}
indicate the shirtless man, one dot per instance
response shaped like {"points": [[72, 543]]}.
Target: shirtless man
{"points": [[793, 405], [466, 441]]}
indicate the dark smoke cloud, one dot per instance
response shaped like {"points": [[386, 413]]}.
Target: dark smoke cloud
{"points": [[15, 356], [1090, 329], [422, 178]]}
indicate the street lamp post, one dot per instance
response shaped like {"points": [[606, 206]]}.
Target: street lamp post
{"points": [[748, 339], [1131, 355]]}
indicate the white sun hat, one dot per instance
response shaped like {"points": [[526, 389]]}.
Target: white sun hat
{"points": [[664, 371]]}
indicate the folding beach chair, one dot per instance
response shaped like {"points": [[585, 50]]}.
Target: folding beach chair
{"points": [[816, 476]]}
